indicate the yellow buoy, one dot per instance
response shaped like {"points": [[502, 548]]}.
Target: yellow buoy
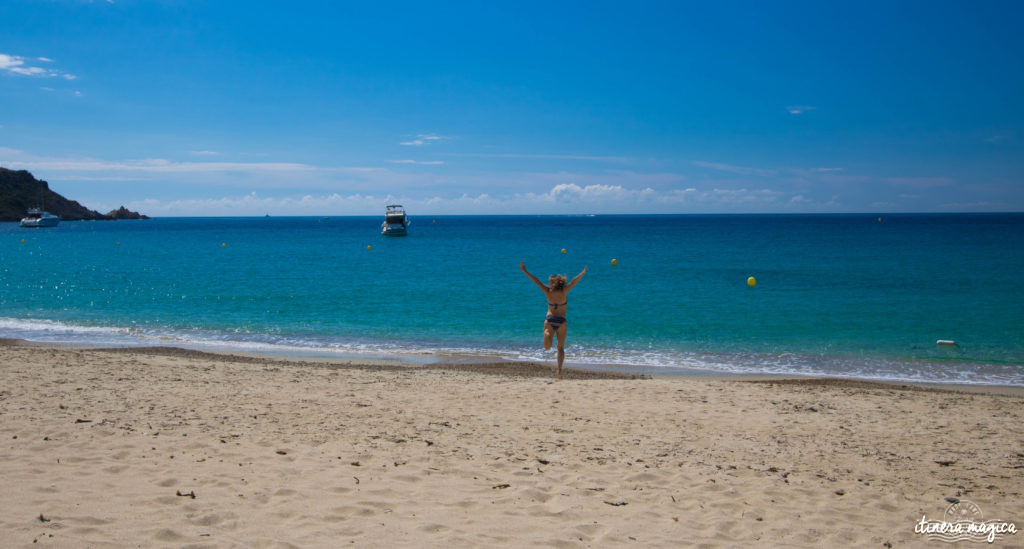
{"points": [[615, 262], [879, 219], [22, 240], [223, 245], [118, 243], [368, 247], [563, 250], [751, 281]]}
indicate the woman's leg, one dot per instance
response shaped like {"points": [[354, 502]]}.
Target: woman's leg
{"points": [[562, 331], [549, 334]]}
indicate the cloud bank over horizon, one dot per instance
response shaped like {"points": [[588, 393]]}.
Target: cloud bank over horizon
{"points": [[294, 188]]}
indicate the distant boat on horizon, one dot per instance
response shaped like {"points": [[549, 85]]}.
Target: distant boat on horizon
{"points": [[37, 218]]}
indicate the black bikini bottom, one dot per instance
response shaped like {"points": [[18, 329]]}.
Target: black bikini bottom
{"points": [[556, 321]]}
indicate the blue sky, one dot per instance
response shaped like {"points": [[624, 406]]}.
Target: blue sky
{"points": [[332, 108]]}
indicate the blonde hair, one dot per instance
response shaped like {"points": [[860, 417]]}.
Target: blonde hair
{"points": [[557, 282]]}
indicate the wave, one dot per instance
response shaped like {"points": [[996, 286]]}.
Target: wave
{"points": [[659, 361]]}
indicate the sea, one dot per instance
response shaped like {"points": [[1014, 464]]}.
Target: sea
{"points": [[855, 296]]}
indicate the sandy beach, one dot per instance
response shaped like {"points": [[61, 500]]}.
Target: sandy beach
{"points": [[165, 447]]}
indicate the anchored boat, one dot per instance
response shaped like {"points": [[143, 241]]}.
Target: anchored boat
{"points": [[36, 217], [395, 221]]}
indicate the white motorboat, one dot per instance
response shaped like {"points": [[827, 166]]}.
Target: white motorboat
{"points": [[395, 221], [36, 217]]}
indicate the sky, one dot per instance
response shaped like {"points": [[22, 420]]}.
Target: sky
{"points": [[188, 108]]}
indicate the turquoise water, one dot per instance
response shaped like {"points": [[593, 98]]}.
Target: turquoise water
{"points": [[841, 295]]}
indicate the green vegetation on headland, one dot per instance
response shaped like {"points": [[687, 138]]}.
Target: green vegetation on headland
{"points": [[20, 190]]}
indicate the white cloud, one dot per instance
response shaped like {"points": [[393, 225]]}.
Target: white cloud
{"points": [[418, 162], [610, 159], [422, 139], [920, 182], [18, 160], [563, 198], [735, 169], [800, 109], [204, 153], [17, 65]]}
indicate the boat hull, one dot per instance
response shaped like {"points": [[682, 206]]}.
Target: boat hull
{"points": [[39, 222]]}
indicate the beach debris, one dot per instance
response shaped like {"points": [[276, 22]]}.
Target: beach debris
{"points": [[945, 462], [191, 494], [953, 500], [281, 453], [543, 461], [80, 420], [500, 486], [840, 492], [357, 479], [354, 464], [616, 503], [42, 518]]}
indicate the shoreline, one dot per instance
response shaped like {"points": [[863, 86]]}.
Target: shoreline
{"points": [[493, 366], [129, 447]]}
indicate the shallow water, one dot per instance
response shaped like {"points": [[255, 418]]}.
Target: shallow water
{"points": [[841, 295]]}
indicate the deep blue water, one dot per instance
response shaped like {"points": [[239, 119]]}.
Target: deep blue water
{"points": [[836, 294]]}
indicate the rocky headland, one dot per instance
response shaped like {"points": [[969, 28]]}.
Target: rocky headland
{"points": [[20, 190]]}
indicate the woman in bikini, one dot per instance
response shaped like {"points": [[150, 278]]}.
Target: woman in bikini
{"points": [[555, 323]]}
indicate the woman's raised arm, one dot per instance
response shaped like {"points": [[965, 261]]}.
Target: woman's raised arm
{"points": [[577, 279], [522, 266]]}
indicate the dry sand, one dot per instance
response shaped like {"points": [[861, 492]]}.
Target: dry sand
{"points": [[178, 448]]}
